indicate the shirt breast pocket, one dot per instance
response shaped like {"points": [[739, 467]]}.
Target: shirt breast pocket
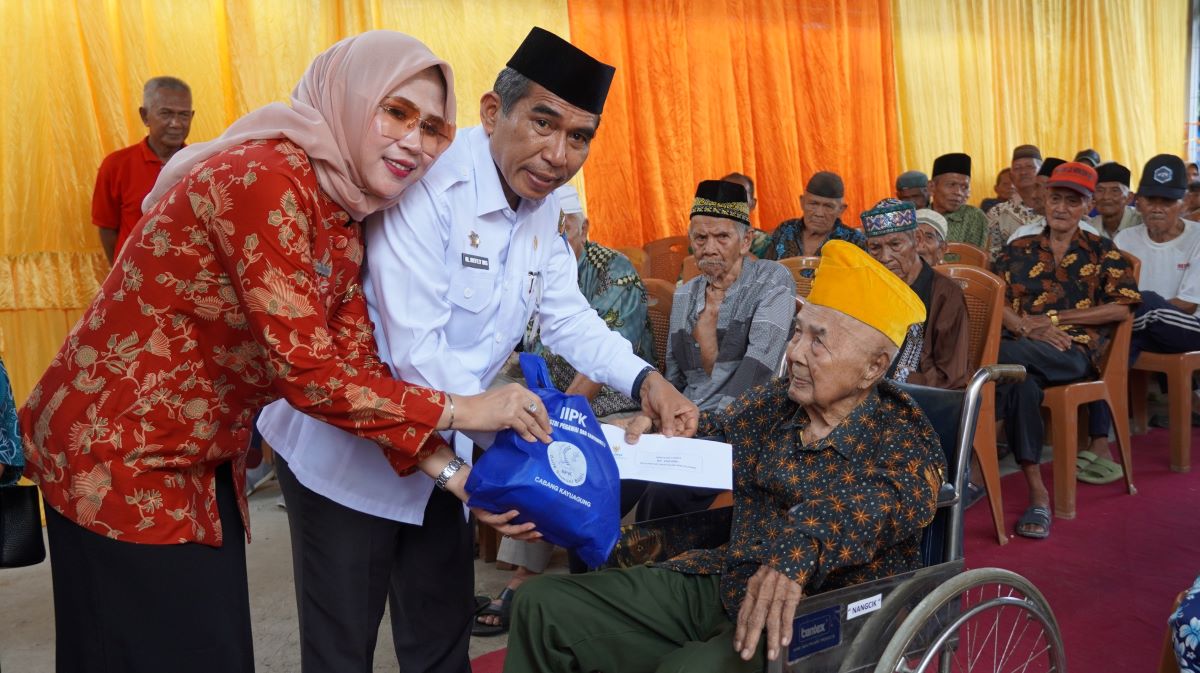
{"points": [[470, 293]]}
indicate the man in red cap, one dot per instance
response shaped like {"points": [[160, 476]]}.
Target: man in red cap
{"points": [[1066, 287]]}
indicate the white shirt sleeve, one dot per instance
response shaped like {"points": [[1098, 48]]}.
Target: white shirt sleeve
{"points": [[571, 328], [1189, 285], [409, 281]]}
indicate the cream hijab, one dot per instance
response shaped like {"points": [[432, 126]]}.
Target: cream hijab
{"points": [[331, 110]]}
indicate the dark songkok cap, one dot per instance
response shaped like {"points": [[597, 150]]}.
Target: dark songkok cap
{"points": [[1088, 156], [718, 198], [564, 69], [1164, 176], [1113, 172], [912, 180], [952, 163], [826, 184], [1049, 165], [1026, 152]]}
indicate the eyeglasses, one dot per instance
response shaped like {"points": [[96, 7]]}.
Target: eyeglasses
{"points": [[402, 116]]}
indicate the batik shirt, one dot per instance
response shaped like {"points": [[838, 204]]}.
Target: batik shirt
{"points": [[789, 235], [753, 328], [613, 288], [862, 495], [241, 286], [11, 456], [968, 224], [1003, 221], [1092, 272]]}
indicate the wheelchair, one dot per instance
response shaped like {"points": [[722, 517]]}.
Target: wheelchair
{"points": [[940, 618]]}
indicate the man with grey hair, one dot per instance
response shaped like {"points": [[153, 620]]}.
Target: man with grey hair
{"points": [[128, 174]]}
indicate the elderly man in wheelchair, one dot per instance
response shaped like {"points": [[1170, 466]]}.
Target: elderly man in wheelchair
{"points": [[836, 473]]}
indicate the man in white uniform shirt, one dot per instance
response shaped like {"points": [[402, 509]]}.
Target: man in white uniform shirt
{"points": [[1169, 249], [454, 273]]}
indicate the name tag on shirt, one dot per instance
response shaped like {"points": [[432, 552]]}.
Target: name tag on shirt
{"points": [[475, 262]]}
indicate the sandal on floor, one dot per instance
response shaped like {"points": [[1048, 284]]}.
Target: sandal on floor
{"points": [[1036, 515], [1083, 459], [502, 611], [1102, 471], [975, 493]]}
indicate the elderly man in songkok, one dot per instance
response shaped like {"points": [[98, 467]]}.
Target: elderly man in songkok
{"points": [[935, 352], [913, 186], [931, 236], [1113, 212], [951, 189], [825, 496], [729, 325], [823, 203], [1066, 287]]}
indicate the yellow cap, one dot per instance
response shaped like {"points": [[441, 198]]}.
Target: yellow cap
{"points": [[851, 281]]}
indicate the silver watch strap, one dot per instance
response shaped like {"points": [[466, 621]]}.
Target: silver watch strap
{"points": [[447, 472]]}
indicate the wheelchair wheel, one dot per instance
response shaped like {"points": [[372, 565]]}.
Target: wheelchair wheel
{"points": [[987, 619]]}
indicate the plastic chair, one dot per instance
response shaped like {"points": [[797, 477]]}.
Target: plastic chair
{"points": [[690, 270], [984, 294], [637, 257], [802, 269], [965, 253], [664, 258], [1063, 402], [1179, 369], [661, 295]]}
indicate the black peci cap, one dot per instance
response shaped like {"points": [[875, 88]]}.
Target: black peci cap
{"points": [[564, 70]]}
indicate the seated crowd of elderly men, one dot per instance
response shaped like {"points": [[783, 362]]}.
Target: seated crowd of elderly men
{"points": [[811, 438]]}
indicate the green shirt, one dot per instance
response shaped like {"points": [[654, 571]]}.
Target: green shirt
{"points": [[968, 224]]}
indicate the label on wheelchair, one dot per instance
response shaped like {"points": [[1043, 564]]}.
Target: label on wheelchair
{"points": [[814, 632]]}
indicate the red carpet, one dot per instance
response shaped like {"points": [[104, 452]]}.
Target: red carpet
{"points": [[1111, 574]]}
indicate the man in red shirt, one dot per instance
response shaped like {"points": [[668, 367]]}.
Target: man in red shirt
{"points": [[128, 174]]}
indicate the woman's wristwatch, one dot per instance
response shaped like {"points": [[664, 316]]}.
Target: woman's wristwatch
{"points": [[449, 471]]}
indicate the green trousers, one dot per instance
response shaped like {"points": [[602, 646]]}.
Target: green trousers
{"points": [[633, 620]]}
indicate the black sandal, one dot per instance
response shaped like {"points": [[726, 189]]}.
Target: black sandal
{"points": [[503, 610], [1036, 515]]}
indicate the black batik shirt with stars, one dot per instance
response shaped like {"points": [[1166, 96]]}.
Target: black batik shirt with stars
{"points": [[862, 494]]}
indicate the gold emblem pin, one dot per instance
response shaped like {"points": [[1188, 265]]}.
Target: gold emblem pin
{"points": [[474, 239]]}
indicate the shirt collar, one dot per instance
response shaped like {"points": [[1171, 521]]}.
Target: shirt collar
{"points": [[846, 434], [148, 154], [489, 192], [923, 285]]}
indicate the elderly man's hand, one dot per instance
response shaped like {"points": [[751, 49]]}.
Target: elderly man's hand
{"points": [[676, 414], [1042, 328], [771, 600]]}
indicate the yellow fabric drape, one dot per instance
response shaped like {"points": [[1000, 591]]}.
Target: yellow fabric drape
{"points": [[984, 76], [74, 72], [776, 89]]}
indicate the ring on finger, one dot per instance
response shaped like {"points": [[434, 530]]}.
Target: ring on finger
{"points": [[532, 407]]}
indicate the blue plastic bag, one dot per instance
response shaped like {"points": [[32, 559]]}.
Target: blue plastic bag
{"points": [[570, 488]]}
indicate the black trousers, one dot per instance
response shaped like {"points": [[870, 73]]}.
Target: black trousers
{"points": [[1019, 404], [347, 563], [121, 607], [1159, 327]]}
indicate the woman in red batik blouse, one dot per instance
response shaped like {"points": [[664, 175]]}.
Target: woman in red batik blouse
{"points": [[240, 286]]}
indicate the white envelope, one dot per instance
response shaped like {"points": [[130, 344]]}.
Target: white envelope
{"points": [[672, 460]]}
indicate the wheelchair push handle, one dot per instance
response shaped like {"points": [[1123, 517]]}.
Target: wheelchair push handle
{"points": [[1005, 373]]}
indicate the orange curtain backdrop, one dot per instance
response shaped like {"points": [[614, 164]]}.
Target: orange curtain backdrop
{"points": [[776, 89]]}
